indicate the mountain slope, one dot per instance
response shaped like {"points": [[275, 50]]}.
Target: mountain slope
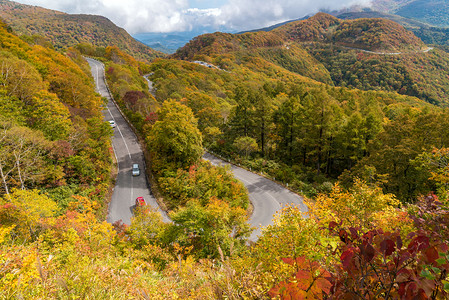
{"points": [[428, 34], [368, 34], [389, 5], [267, 47], [65, 30], [53, 136], [432, 12], [411, 71], [336, 51]]}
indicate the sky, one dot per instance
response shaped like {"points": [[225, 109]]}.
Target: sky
{"points": [[137, 16]]}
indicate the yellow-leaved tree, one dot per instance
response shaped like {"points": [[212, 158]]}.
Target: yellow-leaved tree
{"points": [[362, 206], [27, 211]]}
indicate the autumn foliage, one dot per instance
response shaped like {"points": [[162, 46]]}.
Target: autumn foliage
{"points": [[372, 235], [310, 281]]}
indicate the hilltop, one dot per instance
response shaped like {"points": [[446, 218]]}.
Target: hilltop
{"points": [[266, 46], [66, 30], [368, 34]]}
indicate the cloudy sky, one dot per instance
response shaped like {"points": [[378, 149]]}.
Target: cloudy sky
{"points": [[186, 15]]}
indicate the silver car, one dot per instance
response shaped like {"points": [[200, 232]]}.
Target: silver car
{"points": [[136, 170], [112, 123]]}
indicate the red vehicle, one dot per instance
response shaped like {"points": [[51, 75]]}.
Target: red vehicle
{"points": [[140, 201]]}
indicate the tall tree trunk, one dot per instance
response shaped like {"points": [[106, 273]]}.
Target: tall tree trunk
{"points": [[4, 180], [290, 144], [320, 148], [22, 185], [262, 137]]}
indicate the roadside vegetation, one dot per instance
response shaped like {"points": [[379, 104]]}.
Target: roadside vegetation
{"points": [[374, 165]]}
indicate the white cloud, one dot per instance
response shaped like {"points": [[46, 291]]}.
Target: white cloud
{"points": [[133, 15], [251, 14], [177, 15]]}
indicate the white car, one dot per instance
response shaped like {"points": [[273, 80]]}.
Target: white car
{"points": [[136, 170], [112, 123]]}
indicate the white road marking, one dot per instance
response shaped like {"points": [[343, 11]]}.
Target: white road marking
{"points": [[132, 185], [119, 131], [118, 128], [98, 86], [116, 159]]}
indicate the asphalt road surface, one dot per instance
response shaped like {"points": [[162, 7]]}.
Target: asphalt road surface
{"points": [[128, 152], [266, 196]]}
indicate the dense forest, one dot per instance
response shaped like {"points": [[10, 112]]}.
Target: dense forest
{"points": [[53, 136], [372, 163], [428, 34]]}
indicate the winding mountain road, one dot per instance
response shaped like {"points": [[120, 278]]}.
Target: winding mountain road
{"points": [[389, 53], [128, 152], [267, 196]]}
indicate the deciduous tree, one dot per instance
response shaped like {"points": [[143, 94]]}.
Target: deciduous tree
{"points": [[174, 140]]}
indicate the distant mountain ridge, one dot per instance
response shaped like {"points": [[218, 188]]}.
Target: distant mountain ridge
{"points": [[389, 5], [65, 30], [165, 42], [432, 12]]}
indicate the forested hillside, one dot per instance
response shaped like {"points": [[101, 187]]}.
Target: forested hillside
{"points": [[428, 34], [67, 30], [372, 164], [53, 136], [296, 129], [368, 54], [389, 5], [379, 35]]}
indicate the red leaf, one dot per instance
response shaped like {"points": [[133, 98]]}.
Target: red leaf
{"points": [[367, 251], [332, 225], [399, 242], [427, 288], [421, 295], [403, 276], [301, 261], [353, 232], [411, 290], [370, 235], [288, 260], [418, 243], [431, 255], [387, 247], [346, 257]]}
